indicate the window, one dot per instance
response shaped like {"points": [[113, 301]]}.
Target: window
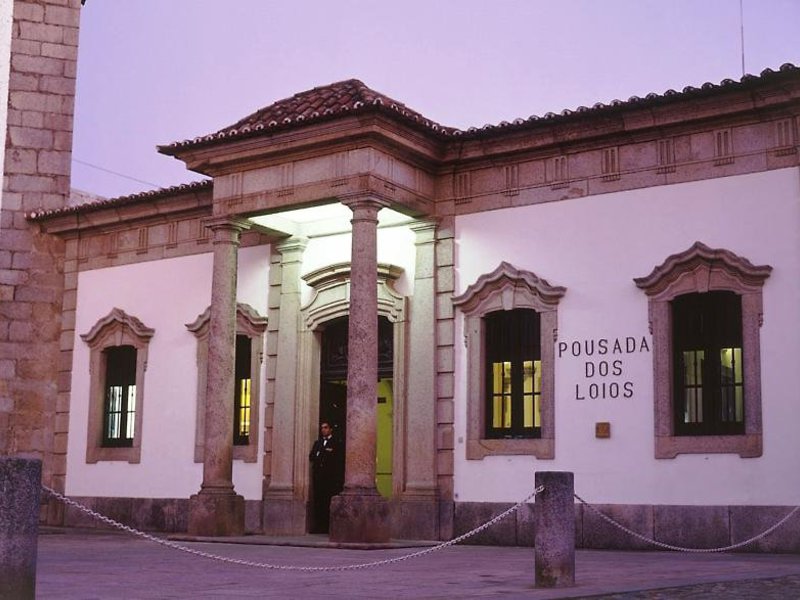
{"points": [[250, 328], [705, 309], [118, 356], [510, 321], [119, 412], [513, 374], [242, 403], [707, 358]]}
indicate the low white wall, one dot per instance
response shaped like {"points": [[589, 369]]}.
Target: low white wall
{"points": [[165, 295], [594, 247]]}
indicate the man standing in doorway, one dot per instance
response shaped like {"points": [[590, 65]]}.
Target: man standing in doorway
{"points": [[326, 475]]}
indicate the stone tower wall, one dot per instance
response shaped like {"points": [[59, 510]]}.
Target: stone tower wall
{"points": [[38, 153]]}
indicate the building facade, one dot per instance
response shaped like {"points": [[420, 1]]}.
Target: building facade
{"points": [[611, 291]]}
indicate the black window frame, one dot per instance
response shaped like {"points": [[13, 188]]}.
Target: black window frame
{"points": [[243, 372], [120, 372], [703, 325], [512, 336]]}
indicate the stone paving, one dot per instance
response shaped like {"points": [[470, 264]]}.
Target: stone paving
{"points": [[110, 565], [774, 588]]}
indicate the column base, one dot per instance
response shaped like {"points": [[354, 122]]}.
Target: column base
{"points": [[416, 517], [360, 516], [284, 516], [216, 514]]}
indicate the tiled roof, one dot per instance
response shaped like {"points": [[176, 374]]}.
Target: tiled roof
{"points": [[352, 95], [317, 104], [194, 186]]}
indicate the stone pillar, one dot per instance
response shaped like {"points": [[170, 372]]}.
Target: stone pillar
{"points": [[217, 510], [360, 514], [417, 516], [284, 511], [20, 480], [554, 515]]}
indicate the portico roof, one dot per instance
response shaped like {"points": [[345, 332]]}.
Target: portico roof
{"points": [[317, 104]]}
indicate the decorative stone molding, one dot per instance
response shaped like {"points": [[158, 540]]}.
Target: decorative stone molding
{"points": [[253, 325], [785, 137], [701, 269], [610, 167], [331, 296], [509, 288], [723, 147], [666, 156], [115, 329], [702, 261]]}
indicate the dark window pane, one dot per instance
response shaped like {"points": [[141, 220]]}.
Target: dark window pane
{"points": [[241, 398], [707, 362], [513, 374], [119, 408]]}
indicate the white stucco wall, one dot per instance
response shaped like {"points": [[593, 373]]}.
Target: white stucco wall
{"points": [[165, 295], [594, 247]]}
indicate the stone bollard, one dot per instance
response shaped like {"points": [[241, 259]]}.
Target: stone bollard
{"points": [[20, 485], [554, 517]]}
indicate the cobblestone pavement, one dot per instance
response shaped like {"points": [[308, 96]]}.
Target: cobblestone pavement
{"points": [[109, 565], [774, 588]]}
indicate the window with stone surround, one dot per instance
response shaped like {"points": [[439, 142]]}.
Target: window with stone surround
{"points": [[705, 311], [496, 304], [250, 328], [118, 356]]}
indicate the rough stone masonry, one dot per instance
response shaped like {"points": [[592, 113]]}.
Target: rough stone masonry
{"points": [[38, 151]]}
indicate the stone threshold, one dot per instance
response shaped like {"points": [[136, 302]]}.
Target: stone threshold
{"points": [[301, 541]]}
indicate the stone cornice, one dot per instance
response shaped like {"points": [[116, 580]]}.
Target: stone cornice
{"points": [[701, 255], [162, 205], [244, 312], [340, 272], [503, 276], [119, 317], [349, 131]]}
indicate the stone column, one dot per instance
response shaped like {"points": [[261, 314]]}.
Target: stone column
{"points": [[360, 514], [20, 482], [284, 512], [417, 516], [554, 515], [217, 510]]}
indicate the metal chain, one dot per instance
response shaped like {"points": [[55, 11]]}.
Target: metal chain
{"points": [[248, 563], [680, 548]]}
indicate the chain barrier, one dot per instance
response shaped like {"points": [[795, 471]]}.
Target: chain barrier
{"points": [[639, 536], [249, 563]]}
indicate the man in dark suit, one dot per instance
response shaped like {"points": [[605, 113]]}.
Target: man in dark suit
{"points": [[326, 459]]}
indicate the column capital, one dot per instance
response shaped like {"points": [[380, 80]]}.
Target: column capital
{"points": [[425, 230], [227, 224], [291, 244], [363, 202]]}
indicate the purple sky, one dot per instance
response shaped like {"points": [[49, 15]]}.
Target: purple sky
{"points": [[157, 71]]}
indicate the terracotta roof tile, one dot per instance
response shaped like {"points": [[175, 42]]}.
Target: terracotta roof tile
{"points": [[195, 186], [315, 104]]}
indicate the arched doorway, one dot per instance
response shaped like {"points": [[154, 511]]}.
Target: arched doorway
{"points": [[333, 391]]}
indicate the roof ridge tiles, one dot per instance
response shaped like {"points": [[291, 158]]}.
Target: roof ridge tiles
{"points": [[328, 101]]}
